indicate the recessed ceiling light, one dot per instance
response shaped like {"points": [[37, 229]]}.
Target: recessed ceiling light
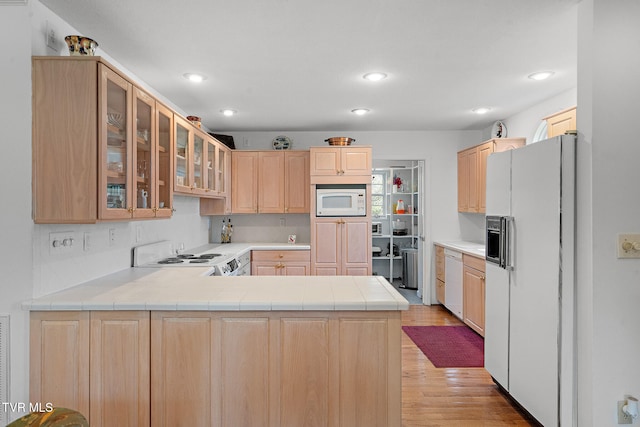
{"points": [[375, 76], [541, 75], [193, 77], [481, 110], [360, 111], [228, 112]]}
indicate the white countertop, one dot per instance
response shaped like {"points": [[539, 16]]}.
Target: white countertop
{"points": [[469, 248], [174, 288], [238, 249]]}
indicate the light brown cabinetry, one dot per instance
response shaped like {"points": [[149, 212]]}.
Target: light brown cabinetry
{"points": [[342, 246], [268, 368], [560, 122], [94, 362], [200, 162], [440, 283], [97, 147], [473, 292], [340, 165], [472, 172], [270, 182], [280, 263]]}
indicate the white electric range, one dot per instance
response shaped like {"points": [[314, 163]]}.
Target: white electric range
{"points": [[163, 254]]}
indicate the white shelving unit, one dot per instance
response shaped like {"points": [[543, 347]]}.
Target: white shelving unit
{"points": [[385, 196]]}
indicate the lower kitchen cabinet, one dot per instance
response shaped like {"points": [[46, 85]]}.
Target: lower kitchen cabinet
{"points": [[94, 362], [342, 246], [266, 368], [280, 263], [473, 283]]}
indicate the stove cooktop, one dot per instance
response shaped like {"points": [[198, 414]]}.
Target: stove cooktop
{"points": [[162, 254]]}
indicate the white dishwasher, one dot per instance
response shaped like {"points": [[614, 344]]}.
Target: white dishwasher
{"points": [[453, 281]]}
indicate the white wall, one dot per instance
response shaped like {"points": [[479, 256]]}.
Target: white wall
{"points": [[16, 227], [609, 289]]}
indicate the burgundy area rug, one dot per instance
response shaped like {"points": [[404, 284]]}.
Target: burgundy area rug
{"points": [[448, 346]]}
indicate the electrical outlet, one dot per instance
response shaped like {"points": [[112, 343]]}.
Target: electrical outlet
{"points": [[112, 236], [622, 417]]}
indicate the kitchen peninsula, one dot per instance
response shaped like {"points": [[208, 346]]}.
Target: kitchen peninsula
{"points": [[170, 346]]}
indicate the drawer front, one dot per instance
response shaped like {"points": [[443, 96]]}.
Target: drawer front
{"points": [[473, 262], [283, 255]]}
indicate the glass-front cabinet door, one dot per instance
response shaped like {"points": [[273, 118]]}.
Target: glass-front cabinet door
{"points": [[164, 134], [221, 182], [183, 164], [115, 153], [144, 155], [212, 149], [198, 160]]}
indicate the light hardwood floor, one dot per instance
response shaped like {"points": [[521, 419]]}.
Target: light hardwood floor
{"points": [[449, 396]]}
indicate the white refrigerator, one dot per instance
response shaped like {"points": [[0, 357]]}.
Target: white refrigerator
{"points": [[529, 307]]}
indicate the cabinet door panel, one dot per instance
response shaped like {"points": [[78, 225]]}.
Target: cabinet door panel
{"points": [[243, 383], [304, 372], [296, 182], [327, 242], [363, 372], [244, 185], [60, 359], [115, 171], [271, 171], [473, 299], [483, 153], [181, 366], [120, 375], [325, 161], [164, 149], [356, 244], [356, 161]]}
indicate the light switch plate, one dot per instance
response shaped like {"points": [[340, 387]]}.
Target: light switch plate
{"points": [[628, 245]]}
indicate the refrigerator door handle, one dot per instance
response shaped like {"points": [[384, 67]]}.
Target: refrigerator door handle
{"points": [[510, 235], [503, 242]]}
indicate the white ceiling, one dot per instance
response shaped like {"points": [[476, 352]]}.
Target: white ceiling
{"points": [[297, 65]]}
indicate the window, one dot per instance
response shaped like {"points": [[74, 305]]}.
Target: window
{"points": [[378, 193]]}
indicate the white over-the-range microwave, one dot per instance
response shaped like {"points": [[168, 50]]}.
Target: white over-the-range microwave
{"points": [[341, 201]]}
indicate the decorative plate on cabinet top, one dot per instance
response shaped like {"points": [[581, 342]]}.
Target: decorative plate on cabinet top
{"points": [[281, 142], [498, 130]]}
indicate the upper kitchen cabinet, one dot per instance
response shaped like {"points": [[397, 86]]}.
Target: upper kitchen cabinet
{"points": [[270, 181], [340, 165], [296, 183], [201, 162], [96, 146], [560, 122], [472, 172]]}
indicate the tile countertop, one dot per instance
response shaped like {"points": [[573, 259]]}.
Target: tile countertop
{"points": [[469, 248], [187, 289]]}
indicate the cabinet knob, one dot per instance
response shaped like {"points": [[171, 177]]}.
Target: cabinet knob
{"points": [[280, 256]]}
